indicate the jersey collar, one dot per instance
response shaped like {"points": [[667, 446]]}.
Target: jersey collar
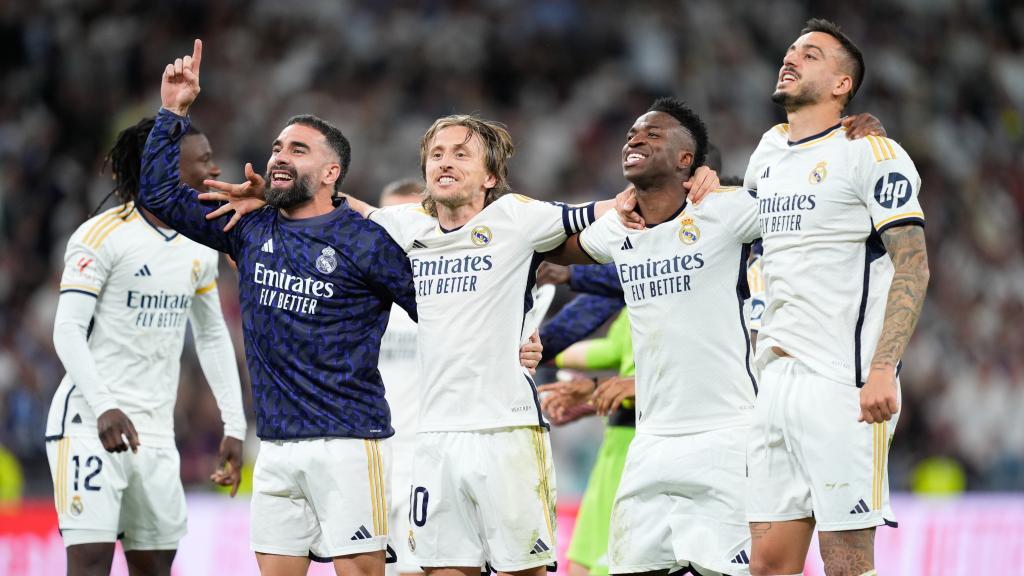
{"points": [[161, 231], [814, 136], [669, 219]]}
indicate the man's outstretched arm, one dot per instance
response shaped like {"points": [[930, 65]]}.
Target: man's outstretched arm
{"points": [[160, 188]]}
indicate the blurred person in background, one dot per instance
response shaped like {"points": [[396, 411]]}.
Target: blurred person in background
{"points": [[129, 286]]}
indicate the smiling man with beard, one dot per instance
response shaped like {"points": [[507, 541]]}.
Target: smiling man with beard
{"points": [[316, 284]]}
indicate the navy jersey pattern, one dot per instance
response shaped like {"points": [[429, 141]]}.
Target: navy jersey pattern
{"points": [[577, 320], [315, 296], [600, 279]]}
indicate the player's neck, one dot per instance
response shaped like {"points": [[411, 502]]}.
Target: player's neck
{"points": [[319, 205], [153, 219], [452, 217], [659, 203], [812, 119]]}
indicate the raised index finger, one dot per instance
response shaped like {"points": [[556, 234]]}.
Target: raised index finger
{"points": [[197, 56]]}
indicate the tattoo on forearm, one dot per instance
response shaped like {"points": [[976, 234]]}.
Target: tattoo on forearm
{"points": [[906, 247]]}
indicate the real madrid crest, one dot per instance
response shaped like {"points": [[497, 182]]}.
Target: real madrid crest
{"points": [[76, 505], [412, 541], [195, 271], [481, 235], [689, 233], [817, 176], [326, 262]]}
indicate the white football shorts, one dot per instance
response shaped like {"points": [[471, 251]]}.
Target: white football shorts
{"points": [[809, 456], [484, 498], [324, 497], [101, 495], [398, 518], [680, 503]]}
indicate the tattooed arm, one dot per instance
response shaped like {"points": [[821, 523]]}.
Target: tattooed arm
{"points": [[906, 247]]}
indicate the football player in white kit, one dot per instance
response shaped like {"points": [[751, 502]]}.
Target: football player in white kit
{"points": [[129, 286], [845, 270], [681, 498], [484, 489]]}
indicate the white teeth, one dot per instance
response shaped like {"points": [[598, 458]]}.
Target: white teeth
{"points": [[634, 157], [446, 180]]}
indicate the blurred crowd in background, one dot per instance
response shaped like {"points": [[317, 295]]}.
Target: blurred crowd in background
{"points": [[946, 77]]}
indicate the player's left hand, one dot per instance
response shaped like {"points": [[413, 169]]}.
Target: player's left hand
{"points": [[879, 400], [179, 86], [610, 394], [703, 182], [229, 471], [241, 198], [549, 273], [531, 352], [861, 125]]}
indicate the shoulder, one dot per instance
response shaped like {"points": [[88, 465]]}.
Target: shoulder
{"points": [[725, 197], [878, 149], [98, 230]]}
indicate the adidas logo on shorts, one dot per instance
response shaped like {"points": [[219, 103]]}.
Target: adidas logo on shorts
{"points": [[860, 508], [741, 558], [539, 547], [362, 534]]}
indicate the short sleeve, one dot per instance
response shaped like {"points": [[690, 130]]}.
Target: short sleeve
{"points": [[548, 224], [738, 210], [389, 219], [889, 184], [209, 269], [597, 240], [87, 262]]}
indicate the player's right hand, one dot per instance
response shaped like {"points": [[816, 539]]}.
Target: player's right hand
{"points": [[558, 399], [179, 86], [625, 206], [611, 393], [241, 198], [115, 428]]}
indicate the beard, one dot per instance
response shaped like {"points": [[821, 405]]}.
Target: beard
{"points": [[792, 101], [300, 191]]}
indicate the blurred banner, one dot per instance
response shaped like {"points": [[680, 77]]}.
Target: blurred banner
{"points": [[966, 535]]}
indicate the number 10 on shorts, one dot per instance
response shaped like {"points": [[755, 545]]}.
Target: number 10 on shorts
{"points": [[418, 498]]}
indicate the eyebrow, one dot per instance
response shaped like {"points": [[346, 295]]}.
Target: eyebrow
{"points": [[295, 144], [812, 46]]}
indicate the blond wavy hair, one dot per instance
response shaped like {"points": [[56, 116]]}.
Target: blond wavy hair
{"points": [[497, 145]]}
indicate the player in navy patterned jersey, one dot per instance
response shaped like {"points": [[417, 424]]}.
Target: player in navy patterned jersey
{"points": [[316, 283]]}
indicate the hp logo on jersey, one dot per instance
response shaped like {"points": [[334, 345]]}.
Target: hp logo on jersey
{"points": [[893, 190], [325, 262]]}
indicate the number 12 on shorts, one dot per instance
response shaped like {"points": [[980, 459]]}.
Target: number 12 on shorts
{"points": [[92, 461], [418, 498]]}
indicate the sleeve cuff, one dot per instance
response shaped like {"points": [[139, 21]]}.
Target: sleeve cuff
{"points": [[911, 219]]}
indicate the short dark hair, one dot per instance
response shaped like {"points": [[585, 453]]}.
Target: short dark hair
{"points": [[689, 119], [852, 52], [335, 139], [125, 160]]}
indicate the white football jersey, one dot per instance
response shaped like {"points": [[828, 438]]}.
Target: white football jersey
{"points": [[684, 282], [144, 279], [824, 201], [473, 290], [398, 370]]}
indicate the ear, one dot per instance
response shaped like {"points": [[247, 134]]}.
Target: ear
{"points": [[685, 159], [843, 86], [331, 174], [490, 182]]}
